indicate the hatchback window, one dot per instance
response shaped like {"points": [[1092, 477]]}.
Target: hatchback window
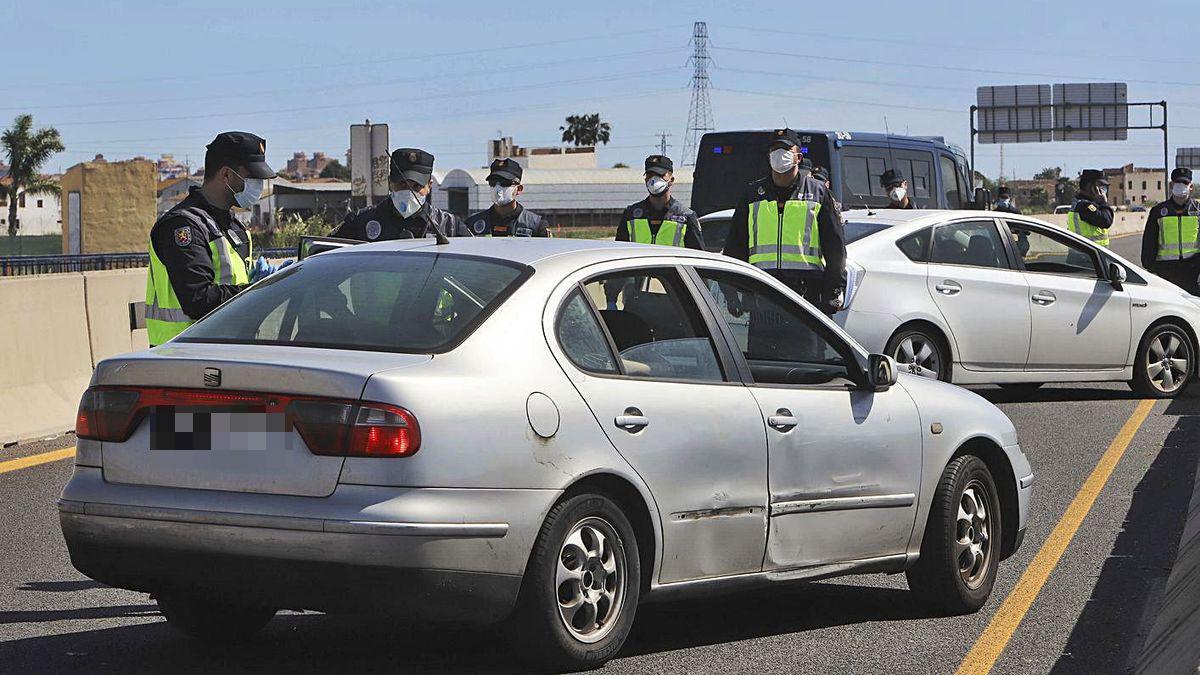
{"points": [[975, 243], [581, 337], [655, 325], [403, 302], [916, 245], [781, 341]]}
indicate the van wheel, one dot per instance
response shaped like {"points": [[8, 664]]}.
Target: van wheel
{"points": [[918, 351], [961, 549], [581, 588], [1164, 363], [213, 621]]}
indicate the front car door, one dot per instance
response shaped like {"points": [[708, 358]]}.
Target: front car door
{"points": [[642, 355], [844, 462], [1080, 322], [984, 300]]}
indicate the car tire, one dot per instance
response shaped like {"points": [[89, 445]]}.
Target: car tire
{"points": [[907, 346], [961, 548], [581, 588], [213, 621], [1164, 363]]}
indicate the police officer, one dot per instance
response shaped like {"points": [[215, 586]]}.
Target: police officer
{"points": [[1172, 236], [506, 217], [199, 253], [1004, 201], [894, 182], [659, 218], [407, 213], [1091, 216], [789, 225]]}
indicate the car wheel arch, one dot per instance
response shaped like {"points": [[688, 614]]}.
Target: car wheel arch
{"points": [[638, 508], [938, 332], [1180, 322], [1001, 469]]}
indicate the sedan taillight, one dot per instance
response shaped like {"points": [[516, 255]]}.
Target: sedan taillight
{"points": [[107, 414]]}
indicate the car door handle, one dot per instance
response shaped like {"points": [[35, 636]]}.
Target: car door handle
{"points": [[632, 421], [949, 287], [782, 421], [1044, 298]]}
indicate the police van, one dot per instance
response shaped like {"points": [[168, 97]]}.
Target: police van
{"points": [[937, 173]]}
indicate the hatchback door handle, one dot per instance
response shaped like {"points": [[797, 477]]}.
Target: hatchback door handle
{"points": [[1044, 298], [782, 421], [632, 421], [949, 287]]}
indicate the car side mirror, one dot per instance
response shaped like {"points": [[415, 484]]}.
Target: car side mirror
{"points": [[983, 199], [881, 372], [1117, 276]]}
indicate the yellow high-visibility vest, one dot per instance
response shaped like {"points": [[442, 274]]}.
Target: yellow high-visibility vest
{"points": [[670, 232], [1178, 237], [1083, 228], [790, 240]]}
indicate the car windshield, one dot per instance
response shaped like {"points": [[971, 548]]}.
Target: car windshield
{"points": [[402, 302], [859, 230]]}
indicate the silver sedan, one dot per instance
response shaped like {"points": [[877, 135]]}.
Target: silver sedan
{"points": [[547, 432]]}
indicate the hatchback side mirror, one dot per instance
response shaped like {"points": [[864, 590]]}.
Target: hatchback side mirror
{"points": [[983, 199], [881, 372], [1116, 276]]}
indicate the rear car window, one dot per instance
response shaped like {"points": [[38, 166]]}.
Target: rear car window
{"points": [[383, 301], [855, 231]]}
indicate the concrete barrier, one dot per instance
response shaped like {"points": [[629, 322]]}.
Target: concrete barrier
{"points": [[108, 295], [45, 354], [1173, 645], [1123, 222]]}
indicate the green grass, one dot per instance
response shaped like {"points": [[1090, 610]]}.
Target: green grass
{"points": [[40, 244]]}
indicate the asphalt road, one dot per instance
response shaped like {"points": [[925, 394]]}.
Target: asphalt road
{"points": [[1091, 616]]}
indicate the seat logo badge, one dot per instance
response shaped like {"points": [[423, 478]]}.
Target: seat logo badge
{"points": [[212, 377]]}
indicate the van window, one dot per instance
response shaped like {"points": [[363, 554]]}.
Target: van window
{"points": [[918, 169], [861, 169], [950, 183]]}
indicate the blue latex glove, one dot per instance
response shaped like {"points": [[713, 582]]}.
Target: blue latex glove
{"points": [[261, 269], [612, 304]]}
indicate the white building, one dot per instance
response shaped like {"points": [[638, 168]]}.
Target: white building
{"points": [[568, 197], [38, 213]]}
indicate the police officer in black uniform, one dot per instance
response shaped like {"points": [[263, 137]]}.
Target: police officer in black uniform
{"points": [[659, 207], [407, 213], [791, 179], [1091, 215], [1004, 201], [506, 217], [1169, 249], [896, 185], [235, 167]]}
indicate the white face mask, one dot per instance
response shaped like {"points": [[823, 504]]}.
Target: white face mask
{"points": [[1180, 190], [897, 194], [1103, 192], [657, 185], [406, 202], [504, 196], [783, 160], [251, 191]]}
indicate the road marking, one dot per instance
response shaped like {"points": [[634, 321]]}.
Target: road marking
{"points": [[34, 460], [995, 637]]}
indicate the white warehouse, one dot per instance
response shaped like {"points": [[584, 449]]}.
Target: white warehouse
{"points": [[567, 197]]}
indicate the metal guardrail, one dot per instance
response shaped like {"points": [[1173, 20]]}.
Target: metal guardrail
{"points": [[19, 265]]}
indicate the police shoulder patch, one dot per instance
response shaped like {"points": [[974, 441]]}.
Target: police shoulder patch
{"points": [[1163, 211], [374, 229], [637, 213], [761, 191], [183, 235], [479, 226], [1091, 207]]}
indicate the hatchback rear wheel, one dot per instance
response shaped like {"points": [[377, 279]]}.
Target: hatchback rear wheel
{"points": [[213, 621], [581, 588], [919, 352]]}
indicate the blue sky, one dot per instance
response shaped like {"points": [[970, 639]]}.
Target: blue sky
{"points": [[128, 78]]}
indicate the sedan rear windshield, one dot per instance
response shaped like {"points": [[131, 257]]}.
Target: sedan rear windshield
{"points": [[401, 302], [859, 230]]}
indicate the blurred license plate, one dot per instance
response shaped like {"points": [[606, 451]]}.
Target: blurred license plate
{"points": [[202, 428]]}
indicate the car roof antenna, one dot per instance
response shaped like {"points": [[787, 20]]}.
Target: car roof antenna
{"points": [[437, 233]]}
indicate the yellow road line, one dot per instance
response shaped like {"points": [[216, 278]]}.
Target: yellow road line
{"points": [[991, 643], [34, 460]]}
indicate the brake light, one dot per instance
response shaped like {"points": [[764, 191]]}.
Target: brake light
{"points": [[384, 431], [107, 414]]}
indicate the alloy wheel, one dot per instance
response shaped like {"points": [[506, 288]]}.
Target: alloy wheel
{"points": [[590, 580], [973, 544], [916, 354], [1168, 361]]}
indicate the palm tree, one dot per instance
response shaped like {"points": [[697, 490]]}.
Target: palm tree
{"points": [[585, 130], [27, 151]]}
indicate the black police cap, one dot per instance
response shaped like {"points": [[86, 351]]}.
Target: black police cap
{"points": [[805, 163], [784, 137], [1003, 190], [891, 177], [1089, 176], [411, 164], [820, 173], [1181, 175], [241, 148], [659, 165], [505, 169]]}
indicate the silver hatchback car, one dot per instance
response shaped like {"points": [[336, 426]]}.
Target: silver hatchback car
{"points": [[541, 431]]}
